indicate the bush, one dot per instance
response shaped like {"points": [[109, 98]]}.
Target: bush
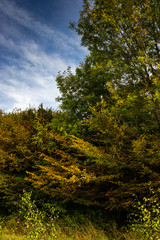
{"points": [[37, 224], [148, 223]]}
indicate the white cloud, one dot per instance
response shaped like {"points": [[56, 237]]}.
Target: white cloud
{"points": [[31, 78], [28, 72]]}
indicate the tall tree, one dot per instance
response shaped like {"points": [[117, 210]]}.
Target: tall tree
{"points": [[124, 40]]}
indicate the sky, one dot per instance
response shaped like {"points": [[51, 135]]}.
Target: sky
{"points": [[35, 44]]}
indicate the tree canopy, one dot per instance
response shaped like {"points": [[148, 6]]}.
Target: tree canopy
{"points": [[124, 40], [83, 89]]}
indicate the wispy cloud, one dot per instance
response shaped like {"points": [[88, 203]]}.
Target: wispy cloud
{"points": [[28, 71], [25, 19], [30, 79]]}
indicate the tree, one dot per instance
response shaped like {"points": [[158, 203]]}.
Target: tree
{"points": [[135, 155], [82, 90], [124, 40], [18, 152], [15, 155], [108, 173]]}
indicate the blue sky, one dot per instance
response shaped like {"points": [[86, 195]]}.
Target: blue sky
{"points": [[35, 44]]}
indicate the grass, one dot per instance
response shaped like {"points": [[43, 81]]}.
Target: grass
{"points": [[86, 232], [35, 224], [10, 230]]}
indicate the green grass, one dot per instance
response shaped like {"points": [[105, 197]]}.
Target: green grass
{"points": [[11, 230], [85, 232]]}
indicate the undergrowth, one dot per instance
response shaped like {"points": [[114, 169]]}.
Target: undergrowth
{"points": [[32, 223]]}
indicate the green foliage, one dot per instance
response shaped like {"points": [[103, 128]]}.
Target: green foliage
{"points": [[123, 38], [148, 223], [79, 91], [37, 223], [61, 124], [133, 157]]}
